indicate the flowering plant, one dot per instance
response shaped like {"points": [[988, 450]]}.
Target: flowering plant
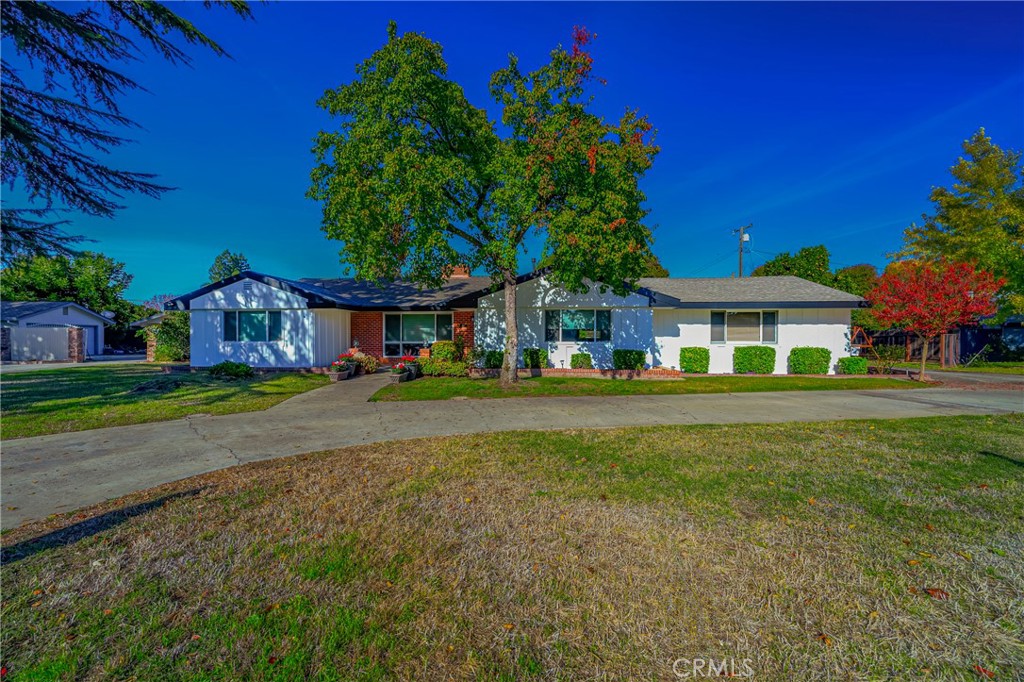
{"points": [[409, 358], [399, 368], [340, 366]]}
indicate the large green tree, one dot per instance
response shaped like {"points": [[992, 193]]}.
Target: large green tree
{"points": [[55, 134], [227, 264], [980, 219], [89, 279], [416, 178], [811, 263]]}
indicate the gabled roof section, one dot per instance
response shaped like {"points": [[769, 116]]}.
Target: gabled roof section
{"points": [[12, 311], [351, 294], [747, 292]]}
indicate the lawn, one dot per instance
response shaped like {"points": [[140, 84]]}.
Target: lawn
{"points": [[836, 551], [985, 367], [57, 401], [446, 388]]}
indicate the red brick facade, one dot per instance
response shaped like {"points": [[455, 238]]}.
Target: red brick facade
{"points": [[462, 326], [76, 344], [368, 330]]}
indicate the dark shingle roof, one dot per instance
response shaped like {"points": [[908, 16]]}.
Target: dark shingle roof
{"points": [[16, 310], [350, 293], [784, 291]]}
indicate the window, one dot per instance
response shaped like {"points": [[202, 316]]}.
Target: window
{"points": [[407, 333], [573, 326], [253, 325], [754, 326]]}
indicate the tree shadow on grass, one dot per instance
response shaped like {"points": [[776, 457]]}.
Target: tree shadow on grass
{"points": [[1005, 458], [87, 528]]}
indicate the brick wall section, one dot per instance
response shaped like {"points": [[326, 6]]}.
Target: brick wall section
{"points": [[462, 325], [5, 344], [76, 344], [368, 329], [150, 345]]}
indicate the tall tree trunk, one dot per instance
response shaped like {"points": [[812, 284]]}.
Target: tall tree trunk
{"points": [[509, 370], [924, 356]]}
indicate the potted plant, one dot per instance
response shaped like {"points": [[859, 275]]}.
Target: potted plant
{"points": [[399, 373], [341, 368], [412, 363]]}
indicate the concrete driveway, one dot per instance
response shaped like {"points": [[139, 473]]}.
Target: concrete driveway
{"points": [[62, 472], [18, 368]]}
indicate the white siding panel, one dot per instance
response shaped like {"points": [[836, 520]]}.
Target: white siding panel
{"points": [[332, 335], [208, 347], [247, 293], [824, 327]]}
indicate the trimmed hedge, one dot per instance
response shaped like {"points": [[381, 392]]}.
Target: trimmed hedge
{"points": [[581, 361], [450, 351], [809, 360], [535, 358], [434, 367], [627, 358], [493, 359], [232, 370], [853, 365], [753, 360], [694, 359]]}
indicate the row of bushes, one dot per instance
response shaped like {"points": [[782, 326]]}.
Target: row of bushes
{"points": [[761, 360]]}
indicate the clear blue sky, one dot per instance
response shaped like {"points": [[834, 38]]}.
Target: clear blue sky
{"points": [[820, 123]]}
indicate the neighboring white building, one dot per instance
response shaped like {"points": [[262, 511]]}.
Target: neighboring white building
{"points": [[266, 321], [56, 314]]}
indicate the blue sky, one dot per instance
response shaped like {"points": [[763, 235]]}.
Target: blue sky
{"points": [[820, 123]]}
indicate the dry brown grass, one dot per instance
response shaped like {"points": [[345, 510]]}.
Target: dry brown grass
{"points": [[574, 555]]}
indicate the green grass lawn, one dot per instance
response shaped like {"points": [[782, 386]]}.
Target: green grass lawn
{"points": [[859, 550], [985, 367], [57, 401], [445, 388]]}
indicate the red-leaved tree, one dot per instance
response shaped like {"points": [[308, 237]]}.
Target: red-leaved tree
{"points": [[930, 299]]}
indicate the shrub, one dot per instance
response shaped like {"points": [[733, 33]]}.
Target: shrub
{"points": [[232, 370], [694, 359], [809, 360], [753, 359], [535, 358], [450, 351], [886, 357], [628, 358], [435, 367], [853, 365], [581, 361], [493, 359], [172, 337], [369, 363]]}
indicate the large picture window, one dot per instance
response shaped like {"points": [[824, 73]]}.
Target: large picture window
{"points": [[574, 326], [746, 326], [253, 325], [407, 333]]}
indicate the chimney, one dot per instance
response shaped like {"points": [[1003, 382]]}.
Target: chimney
{"points": [[459, 272]]}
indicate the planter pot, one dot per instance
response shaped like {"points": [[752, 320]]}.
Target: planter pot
{"points": [[339, 376], [397, 378], [416, 371]]}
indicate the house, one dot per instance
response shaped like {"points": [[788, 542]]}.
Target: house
{"points": [[55, 315], [268, 321]]}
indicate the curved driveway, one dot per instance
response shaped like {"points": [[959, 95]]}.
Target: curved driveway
{"points": [[62, 472]]}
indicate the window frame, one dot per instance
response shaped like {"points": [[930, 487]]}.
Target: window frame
{"points": [[725, 312], [594, 326], [266, 325], [402, 343]]}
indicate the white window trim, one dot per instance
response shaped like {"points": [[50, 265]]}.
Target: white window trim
{"points": [[544, 322], [266, 324], [760, 327], [402, 343]]}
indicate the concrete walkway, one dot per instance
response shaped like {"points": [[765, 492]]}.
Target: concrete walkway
{"points": [[62, 472]]}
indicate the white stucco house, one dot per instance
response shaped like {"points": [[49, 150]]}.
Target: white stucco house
{"points": [[268, 321], [55, 314]]}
